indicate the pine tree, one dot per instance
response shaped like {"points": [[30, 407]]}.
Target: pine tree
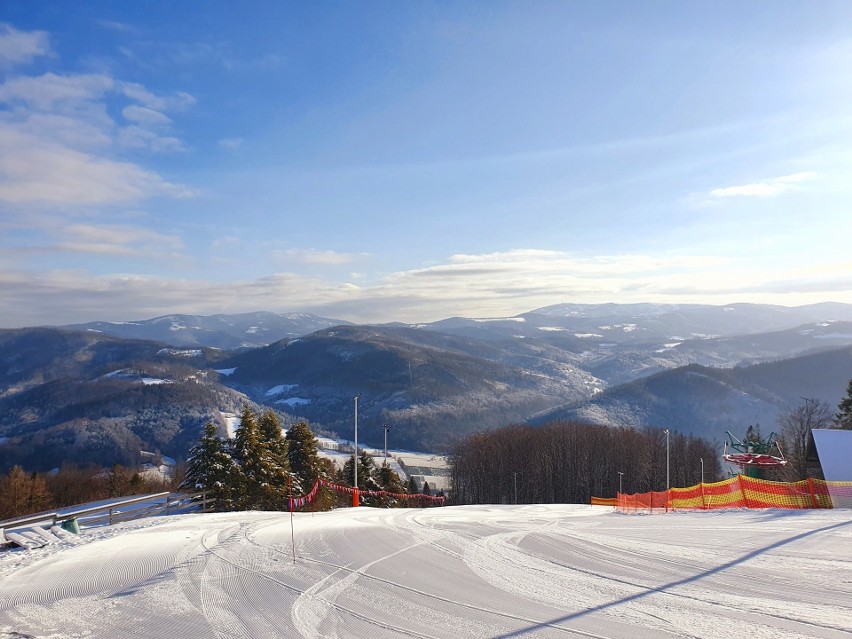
{"points": [[306, 465], [426, 489], [412, 486], [366, 472], [211, 468], [276, 491], [843, 419], [389, 481], [250, 455], [303, 455]]}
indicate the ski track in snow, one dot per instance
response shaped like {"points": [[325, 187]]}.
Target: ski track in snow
{"points": [[495, 572]]}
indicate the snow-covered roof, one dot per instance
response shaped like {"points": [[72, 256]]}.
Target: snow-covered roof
{"points": [[833, 449]]}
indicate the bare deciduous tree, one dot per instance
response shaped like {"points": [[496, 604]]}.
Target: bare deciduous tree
{"points": [[568, 463], [796, 426]]}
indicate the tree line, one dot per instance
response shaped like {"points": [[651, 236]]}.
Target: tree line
{"points": [[565, 462], [23, 493]]}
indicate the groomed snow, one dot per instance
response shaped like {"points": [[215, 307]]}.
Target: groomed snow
{"points": [[455, 572]]}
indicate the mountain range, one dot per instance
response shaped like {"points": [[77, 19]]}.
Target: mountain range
{"points": [[102, 392]]}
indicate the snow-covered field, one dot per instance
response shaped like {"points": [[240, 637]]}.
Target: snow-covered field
{"points": [[456, 572]]}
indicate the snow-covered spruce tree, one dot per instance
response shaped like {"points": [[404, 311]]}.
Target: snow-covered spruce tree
{"points": [[303, 454], [366, 472], [843, 419], [306, 466], [389, 481], [276, 491], [210, 468], [255, 466], [366, 476]]}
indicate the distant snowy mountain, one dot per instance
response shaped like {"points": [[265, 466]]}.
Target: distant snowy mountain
{"points": [[244, 330], [647, 323], [111, 388], [707, 401]]}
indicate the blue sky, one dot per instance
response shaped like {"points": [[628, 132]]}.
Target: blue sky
{"points": [[409, 161]]}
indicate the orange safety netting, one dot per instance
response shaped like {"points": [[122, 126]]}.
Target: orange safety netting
{"points": [[604, 501], [742, 492]]}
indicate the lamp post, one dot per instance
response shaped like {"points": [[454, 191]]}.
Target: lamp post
{"points": [[620, 475], [666, 431], [387, 427], [701, 459], [355, 460], [516, 488]]}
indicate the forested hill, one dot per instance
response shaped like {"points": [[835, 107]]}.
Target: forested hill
{"points": [[84, 397], [707, 401], [87, 395], [432, 387]]}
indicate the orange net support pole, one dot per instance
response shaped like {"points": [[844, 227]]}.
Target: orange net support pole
{"points": [[811, 490], [742, 492]]}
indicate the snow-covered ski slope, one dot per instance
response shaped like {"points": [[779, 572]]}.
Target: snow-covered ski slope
{"points": [[456, 572]]}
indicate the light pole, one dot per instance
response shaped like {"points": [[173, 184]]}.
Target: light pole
{"points": [[666, 431], [387, 427], [355, 460], [516, 488], [620, 475], [701, 459]]}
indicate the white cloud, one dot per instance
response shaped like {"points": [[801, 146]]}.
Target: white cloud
{"points": [[20, 47], [114, 25], [37, 171], [59, 146], [144, 115], [117, 240], [139, 137], [327, 258], [491, 285], [231, 144], [45, 91], [72, 131], [225, 241], [178, 102], [766, 188]]}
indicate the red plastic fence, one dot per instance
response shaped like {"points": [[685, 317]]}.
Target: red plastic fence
{"points": [[299, 502]]}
